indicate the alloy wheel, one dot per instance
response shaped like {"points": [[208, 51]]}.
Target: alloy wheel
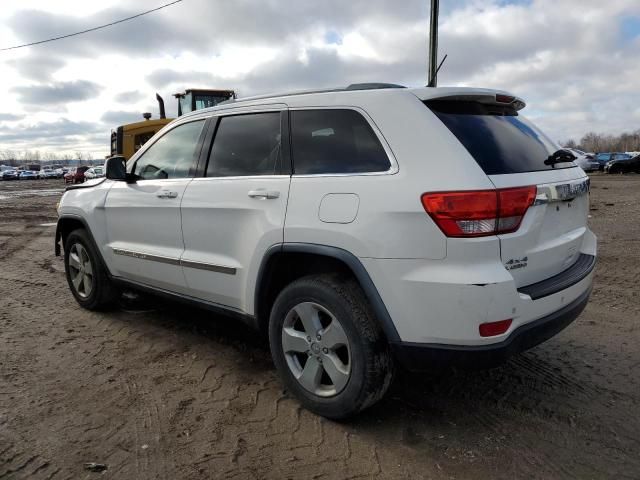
{"points": [[316, 349], [80, 270]]}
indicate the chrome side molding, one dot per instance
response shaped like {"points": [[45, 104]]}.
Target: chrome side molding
{"points": [[208, 266], [146, 256], [175, 261]]}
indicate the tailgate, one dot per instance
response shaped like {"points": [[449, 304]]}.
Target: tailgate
{"points": [[513, 152], [552, 232]]}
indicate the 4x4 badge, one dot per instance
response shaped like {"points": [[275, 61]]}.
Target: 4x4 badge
{"points": [[516, 263]]}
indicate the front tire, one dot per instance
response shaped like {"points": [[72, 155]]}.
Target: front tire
{"points": [[86, 275], [327, 346]]}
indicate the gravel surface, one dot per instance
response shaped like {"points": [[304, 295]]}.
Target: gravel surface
{"points": [[156, 390]]}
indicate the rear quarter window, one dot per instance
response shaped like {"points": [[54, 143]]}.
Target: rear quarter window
{"points": [[499, 139], [335, 141]]}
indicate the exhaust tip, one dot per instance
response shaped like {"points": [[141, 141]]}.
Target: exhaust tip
{"points": [[161, 106]]}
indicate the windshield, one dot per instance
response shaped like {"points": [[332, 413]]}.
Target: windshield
{"points": [[206, 101], [500, 140]]}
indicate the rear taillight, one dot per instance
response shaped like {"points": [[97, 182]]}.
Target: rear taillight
{"points": [[480, 212]]}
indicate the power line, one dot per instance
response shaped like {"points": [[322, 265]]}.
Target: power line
{"points": [[91, 29]]}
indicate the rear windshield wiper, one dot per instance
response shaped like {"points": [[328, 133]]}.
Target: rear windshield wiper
{"points": [[560, 156]]}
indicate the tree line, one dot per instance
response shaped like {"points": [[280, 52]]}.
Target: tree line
{"points": [[15, 158], [597, 142]]}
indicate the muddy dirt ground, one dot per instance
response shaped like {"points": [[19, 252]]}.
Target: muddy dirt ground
{"points": [[163, 391]]}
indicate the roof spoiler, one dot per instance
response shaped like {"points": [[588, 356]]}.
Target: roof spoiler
{"points": [[486, 98]]}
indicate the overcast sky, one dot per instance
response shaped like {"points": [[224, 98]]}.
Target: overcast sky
{"points": [[575, 62]]}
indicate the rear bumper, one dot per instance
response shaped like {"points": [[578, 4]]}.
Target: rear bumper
{"points": [[579, 270], [424, 356]]}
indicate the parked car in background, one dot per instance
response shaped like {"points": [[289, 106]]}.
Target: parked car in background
{"points": [[604, 158], [59, 172], [47, 173], [10, 175], [623, 165], [28, 175], [585, 161], [75, 175], [94, 172], [68, 175]]}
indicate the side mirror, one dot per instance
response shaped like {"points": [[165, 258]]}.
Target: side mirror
{"points": [[116, 168]]}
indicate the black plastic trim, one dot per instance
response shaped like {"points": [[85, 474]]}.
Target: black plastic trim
{"points": [[427, 356], [58, 237], [194, 171], [247, 319], [207, 140], [285, 143], [352, 262], [577, 272]]}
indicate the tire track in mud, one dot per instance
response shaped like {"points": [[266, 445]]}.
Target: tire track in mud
{"points": [[17, 463]]}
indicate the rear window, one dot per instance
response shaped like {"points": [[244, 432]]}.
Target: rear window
{"points": [[499, 139]]}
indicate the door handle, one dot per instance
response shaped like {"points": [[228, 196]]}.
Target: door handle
{"points": [[270, 194], [166, 194]]}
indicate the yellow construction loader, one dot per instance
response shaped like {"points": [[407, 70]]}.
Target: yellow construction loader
{"points": [[127, 139]]}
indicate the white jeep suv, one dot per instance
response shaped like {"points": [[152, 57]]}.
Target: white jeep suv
{"points": [[362, 228]]}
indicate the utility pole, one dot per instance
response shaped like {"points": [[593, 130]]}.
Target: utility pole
{"points": [[432, 80]]}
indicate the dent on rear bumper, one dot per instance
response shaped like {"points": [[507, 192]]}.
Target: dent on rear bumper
{"points": [[420, 356], [440, 303]]}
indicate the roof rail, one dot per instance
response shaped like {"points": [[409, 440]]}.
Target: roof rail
{"points": [[352, 87]]}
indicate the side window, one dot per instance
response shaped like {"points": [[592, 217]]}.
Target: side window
{"points": [[335, 141], [246, 145], [172, 156]]}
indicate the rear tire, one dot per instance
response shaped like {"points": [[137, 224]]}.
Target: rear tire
{"points": [[86, 275], [327, 346]]}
